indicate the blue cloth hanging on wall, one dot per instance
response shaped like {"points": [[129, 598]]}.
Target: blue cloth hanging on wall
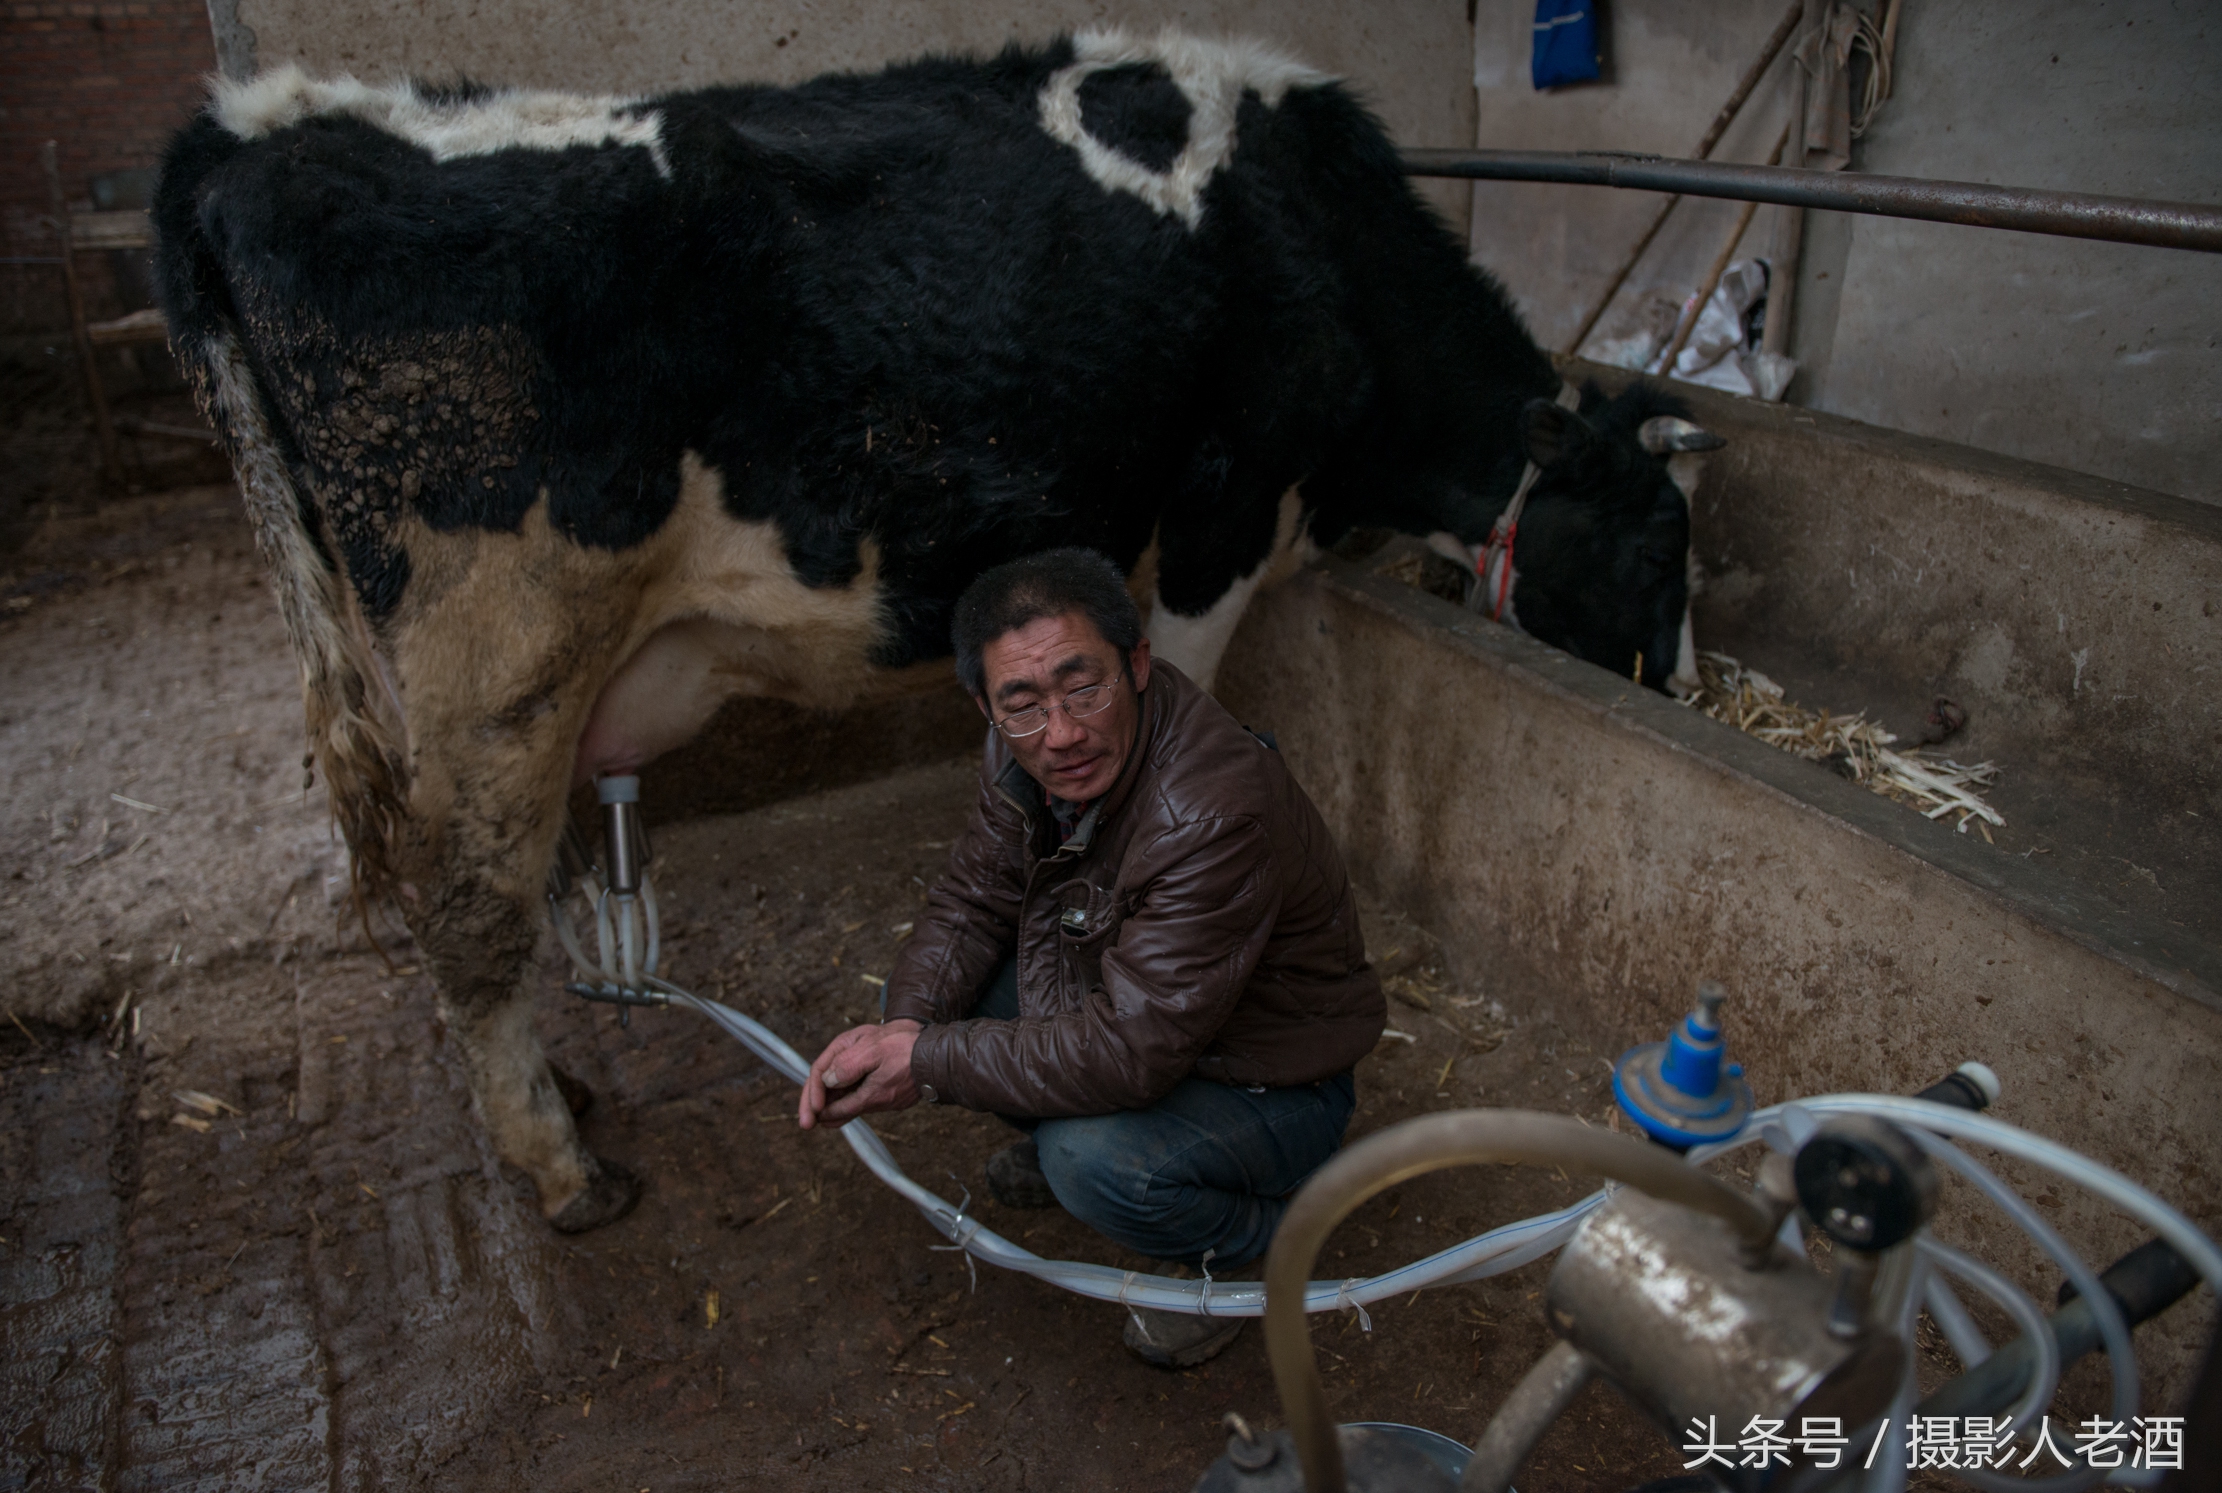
{"points": [[1565, 43]]}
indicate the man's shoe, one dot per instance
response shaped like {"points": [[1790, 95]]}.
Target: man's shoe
{"points": [[1177, 1340], [1015, 1177]]}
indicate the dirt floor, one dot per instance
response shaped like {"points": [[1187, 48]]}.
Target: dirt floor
{"points": [[329, 1281], [250, 1236]]}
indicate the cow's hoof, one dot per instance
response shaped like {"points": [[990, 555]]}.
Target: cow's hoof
{"points": [[577, 1097], [607, 1198]]}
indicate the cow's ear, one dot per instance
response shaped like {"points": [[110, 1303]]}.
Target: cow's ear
{"points": [[1553, 435]]}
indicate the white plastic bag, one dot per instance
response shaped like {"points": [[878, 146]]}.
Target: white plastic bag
{"points": [[1717, 354]]}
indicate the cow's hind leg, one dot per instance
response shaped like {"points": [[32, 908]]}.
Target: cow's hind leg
{"points": [[497, 698]]}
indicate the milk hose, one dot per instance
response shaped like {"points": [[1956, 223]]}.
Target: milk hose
{"points": [[1477, 1258]]}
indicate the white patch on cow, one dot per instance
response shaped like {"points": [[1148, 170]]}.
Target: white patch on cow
{"points": [[1195, 645], [1213, 75], [1293, 546], [507, 119], [1684, 682], [1443, 542], [1683, 470], [722, 613]]}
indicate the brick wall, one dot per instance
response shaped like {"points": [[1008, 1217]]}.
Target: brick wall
{"points": [[107, 79]]}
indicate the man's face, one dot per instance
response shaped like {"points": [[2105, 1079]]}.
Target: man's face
{"points": [[1041, 664]]}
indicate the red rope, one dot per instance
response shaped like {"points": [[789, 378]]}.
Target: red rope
{"points": [[1501, 538]]}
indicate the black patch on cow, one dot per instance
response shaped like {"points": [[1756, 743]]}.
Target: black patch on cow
{"points": [[1550, 433], [459, 91], [1137, 110], [891, 308], [1614, 532]]}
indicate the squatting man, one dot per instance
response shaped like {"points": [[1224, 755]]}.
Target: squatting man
{"points": [[1144, 953]]}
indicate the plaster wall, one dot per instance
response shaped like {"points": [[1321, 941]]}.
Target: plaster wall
{"points": [[1670, 66], [1408, 58], [2097, 357]]}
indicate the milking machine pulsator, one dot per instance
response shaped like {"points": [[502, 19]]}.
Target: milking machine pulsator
{"points": [[1694, 1297]]}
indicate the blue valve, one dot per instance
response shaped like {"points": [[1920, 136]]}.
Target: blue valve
{"points": [[1680, 1092]]}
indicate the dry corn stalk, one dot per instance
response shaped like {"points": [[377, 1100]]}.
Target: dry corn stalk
{"points": [[1854, 745], [207, 1104]]}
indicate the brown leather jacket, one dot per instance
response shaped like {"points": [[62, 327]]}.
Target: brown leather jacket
{"points": [[1197, 921]]}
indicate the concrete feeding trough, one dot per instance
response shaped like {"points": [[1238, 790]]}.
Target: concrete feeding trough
{"points": [[1558, 826]]}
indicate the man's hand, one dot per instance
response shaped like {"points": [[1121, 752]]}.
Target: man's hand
{"points": [[863, 1071]]}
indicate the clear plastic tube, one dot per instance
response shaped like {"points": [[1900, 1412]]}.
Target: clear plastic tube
{"points": [[1888, 1475], [628, 941], [2092, 1176], [2122, 1358], [2104, 1310], [2044, 1374], [1952, 1317], [625, 920], [568, 936], [605, 938], [1927, 1122], [1484, 1255], [1487, 1254]]}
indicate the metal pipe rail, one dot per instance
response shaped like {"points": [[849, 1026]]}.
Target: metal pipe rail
{"points": [[2122, 220]]}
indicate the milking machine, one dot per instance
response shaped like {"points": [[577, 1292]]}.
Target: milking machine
{"points": [[627, 931], [1698, 1299]]}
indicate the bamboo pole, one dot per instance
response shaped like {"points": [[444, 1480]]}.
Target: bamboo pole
{"points": [[1696, 309], [1782, 278]]}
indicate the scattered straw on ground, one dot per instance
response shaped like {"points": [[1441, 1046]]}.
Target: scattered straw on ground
{"points": [[1852, 744]]}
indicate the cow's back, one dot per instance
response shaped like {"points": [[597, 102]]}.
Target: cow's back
{"points": [[921, 310]]}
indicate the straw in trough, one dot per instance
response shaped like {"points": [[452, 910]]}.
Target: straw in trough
{"points": [[1857, 747], [1860, 749]]}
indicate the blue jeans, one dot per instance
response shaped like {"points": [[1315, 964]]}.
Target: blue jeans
{"points": [[1207, 1169]]}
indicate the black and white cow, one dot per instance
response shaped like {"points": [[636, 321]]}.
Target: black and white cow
{"points": [[562, 419]]}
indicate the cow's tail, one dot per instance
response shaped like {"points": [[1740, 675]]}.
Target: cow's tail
{"points": [[352, 728], [356, 736]]}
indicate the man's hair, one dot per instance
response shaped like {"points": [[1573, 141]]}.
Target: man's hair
{"points": [[1048, 584]]}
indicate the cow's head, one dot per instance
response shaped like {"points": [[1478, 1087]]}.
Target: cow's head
{"points": [[1602, 559]]}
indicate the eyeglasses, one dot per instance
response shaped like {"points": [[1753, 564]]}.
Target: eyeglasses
{"points": [[1080, 704]]}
